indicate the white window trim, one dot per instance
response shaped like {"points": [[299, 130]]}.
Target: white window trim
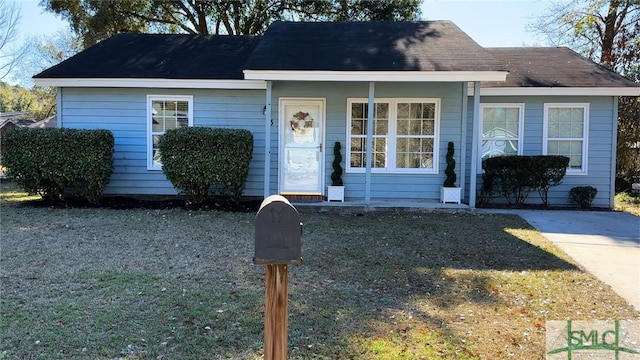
{"points": [[392, 136], [585, 133], [520, 107], [150, 132]]}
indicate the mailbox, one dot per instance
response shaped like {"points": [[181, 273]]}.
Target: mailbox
{"points": [[278, 233]]}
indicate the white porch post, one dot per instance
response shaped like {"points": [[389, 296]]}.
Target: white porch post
{"points": [[474, 145], [614, 149], [369, 157], [463, 137], [267, 142]]}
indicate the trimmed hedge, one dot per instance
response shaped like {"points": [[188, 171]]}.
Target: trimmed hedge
{"points": [[202, 161], [50, 160], [514, 177]]}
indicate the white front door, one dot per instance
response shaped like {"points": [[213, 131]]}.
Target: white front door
{"points": [[301, 158]]}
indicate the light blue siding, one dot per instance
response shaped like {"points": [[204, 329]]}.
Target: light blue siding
{"points": [[123, 111], [600, 140], [387, 185]]}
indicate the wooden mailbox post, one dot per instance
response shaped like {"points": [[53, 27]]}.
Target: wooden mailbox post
{"points": [[278, 233]]}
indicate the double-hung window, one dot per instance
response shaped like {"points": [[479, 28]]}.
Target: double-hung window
{"points": [[565, 133], [501, 130], [165, 113], [404, 137]]}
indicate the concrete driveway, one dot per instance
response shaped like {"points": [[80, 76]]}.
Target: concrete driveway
{"points": [[607, 244]]}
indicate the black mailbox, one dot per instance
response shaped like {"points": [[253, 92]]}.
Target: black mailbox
{"points": [[278, 233]]}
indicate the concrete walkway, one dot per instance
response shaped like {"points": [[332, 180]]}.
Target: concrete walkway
{"points": [[607, 244]]}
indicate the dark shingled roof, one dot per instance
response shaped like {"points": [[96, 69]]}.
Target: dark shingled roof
{"points": [[159, 56], [553, 67], [370, 46], [333, 46]]}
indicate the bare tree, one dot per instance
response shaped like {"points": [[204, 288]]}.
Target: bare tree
{"points": [[11, 54], [608, 32]]}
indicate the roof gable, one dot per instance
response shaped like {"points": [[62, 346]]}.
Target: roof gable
{"points": [[369, 46]]}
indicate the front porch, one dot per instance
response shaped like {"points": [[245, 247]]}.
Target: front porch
{"points": [[378, 205]]}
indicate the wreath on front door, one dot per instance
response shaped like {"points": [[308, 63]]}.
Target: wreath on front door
{"points": [[301, 121]]}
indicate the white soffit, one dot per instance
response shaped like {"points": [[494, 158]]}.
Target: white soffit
{"points": [[381, 76], [154, 83], [558, 91]]}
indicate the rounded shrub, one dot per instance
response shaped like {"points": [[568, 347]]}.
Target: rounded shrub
{"points": [[582, 196], [203, 161]]}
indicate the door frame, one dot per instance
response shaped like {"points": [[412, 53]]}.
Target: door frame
{"points": [[282, 124]]}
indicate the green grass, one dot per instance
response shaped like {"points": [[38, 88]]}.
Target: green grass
{"points": [[179, 284]]}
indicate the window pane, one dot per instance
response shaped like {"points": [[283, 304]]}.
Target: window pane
{"points": [[357, 144], [428, 111], [157, 123], [403, 111], [402, 144], [382, 111], [357, 127], [379, 152], [156, 151], [358, 111], [414, 144], [427, 146], [501, 123], [575, 162], [357, 160], [415, 111], [488, 116], [554, 123], [381, 127], [402, 160], [492, 148], [570, 148], [426, 161], [428, 127], [403, 127], [380, 160]]}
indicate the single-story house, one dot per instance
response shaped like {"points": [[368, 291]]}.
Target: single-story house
{"points": [[392, 92]]}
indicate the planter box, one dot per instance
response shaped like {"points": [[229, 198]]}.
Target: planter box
{"points": [[450, 195], [335, 193]]}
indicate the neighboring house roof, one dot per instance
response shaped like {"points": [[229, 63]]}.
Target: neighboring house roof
{"points": [[159, 56], [8, 124], [553, 67], [15, 116], [50, 122], [370, 46]]}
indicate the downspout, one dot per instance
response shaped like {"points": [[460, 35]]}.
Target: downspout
{"points": [[369, 157], [463, 137], [267, 142], [614, 149], [474, 145]]}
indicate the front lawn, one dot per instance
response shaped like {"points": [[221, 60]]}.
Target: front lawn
{"points": [[91, 283]]}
